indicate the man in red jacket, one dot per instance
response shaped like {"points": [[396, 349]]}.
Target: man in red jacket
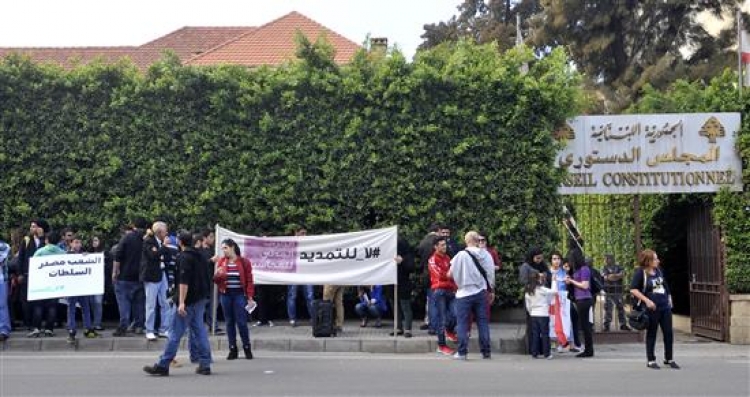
{"points": [[444, 292]]}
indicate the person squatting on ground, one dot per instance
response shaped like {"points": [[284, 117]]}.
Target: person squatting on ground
{"points": [[538, 298], [472, 269], [444, 293], [371, 305], [234, 278], [650, 287], [193, 290]]}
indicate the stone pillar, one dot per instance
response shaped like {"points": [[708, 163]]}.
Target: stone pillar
{"points": [[739, 320]]}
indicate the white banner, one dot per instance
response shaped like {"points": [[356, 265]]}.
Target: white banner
{"points": [[651, 153], [358, 258], [61, 276]]}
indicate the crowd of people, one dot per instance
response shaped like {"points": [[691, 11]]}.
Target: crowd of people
{"points": [[162, 284]]}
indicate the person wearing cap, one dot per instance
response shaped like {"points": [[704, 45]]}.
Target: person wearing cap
{"points": [[32, 242], [4, 315]]}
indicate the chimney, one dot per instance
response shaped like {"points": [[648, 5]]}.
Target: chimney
{"points": [[379, 44]]}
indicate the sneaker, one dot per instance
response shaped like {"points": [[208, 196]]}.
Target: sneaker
{"points": [[293, 323], [407, 334], [120, 332], [138, 331], [90, 333], [164, 334], [486, 356], [34, 334], [71, 337], [424, 327], [49, 333], [460, 357], [549, 357], [562, 349], [576, 349], [671, 364], [445, 350], [451, 336], [585, 354], [98, 328], [605, 328], [150, 336], [652, 365], [258, 324], [624, 328], [156, 370], [203, 371], [270, 323], [4, 337], [398, 332], [248, 352]]}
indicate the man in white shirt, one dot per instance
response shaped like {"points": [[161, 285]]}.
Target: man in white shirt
{"points": [[474, 273]]}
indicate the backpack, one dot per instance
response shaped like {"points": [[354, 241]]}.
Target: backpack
{"points": [[596, 283]]}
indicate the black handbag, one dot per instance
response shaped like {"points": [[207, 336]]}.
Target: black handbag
{"points": [[638, 317]]}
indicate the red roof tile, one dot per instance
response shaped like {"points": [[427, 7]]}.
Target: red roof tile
{"points": [[274, 43], [191, 41], [271, 44]]}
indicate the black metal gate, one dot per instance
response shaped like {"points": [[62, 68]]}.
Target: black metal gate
{"points": [[709, 300]]}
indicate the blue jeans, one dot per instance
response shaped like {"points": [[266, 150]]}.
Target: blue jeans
{"points": [[130, 297], [291, 300], [4, 316], [445, 319], [365, 311], [476, 304], [540, 336], [233, 306], [431, 310], [192, 321], [157, 292], [96, 303], [85, 312]]}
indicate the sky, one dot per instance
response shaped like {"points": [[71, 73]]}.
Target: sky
{"points": [[73, 23]]}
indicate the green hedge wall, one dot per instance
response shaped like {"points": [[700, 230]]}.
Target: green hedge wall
{"points": [[458, 135]]}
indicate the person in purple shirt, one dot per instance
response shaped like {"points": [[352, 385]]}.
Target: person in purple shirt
{"points": [[584, 300]]}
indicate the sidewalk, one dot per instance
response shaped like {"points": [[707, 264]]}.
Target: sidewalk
{"points": [[505, 337]]}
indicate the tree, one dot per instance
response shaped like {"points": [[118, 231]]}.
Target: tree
{"points": [[483, 22], [621, 46]]}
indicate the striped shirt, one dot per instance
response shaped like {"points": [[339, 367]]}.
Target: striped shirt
{"points": [[233, 278]]}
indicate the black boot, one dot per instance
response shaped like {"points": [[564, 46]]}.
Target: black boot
{"points": [[248, 352], [232, 353]]}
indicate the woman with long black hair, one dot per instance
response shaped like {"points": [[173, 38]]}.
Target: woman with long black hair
{"points": [[234, 278], [584, 300]]}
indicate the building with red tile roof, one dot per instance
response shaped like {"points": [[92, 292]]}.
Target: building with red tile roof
{"points": [[271, 44]]}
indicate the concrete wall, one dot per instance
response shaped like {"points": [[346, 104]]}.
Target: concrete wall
{"points": [[739, 319]]}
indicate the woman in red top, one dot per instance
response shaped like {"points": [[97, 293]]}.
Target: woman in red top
{"points": [[234, 279]]}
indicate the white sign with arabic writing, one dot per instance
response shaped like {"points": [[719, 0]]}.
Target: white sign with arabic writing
{"points": [[61, 276], [357, 258], [651, 153]]}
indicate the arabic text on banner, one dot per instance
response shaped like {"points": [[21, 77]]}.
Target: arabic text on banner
{"points": [[60, 276], [357, 258]]}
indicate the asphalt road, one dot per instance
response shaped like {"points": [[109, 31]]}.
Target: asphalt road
{"points": [[707, 371]]}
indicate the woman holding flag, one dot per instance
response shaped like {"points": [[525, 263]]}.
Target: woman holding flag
{"points": [[560, 308]]}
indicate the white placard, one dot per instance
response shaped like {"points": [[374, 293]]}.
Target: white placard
{"points": [[357, 258], [651, 153], [64, 275]]}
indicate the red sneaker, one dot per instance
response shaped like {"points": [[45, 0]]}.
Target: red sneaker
{"points": [[445, 350], [451, 336]]}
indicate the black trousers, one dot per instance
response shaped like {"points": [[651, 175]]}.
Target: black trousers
{"points": [[659, 318], [584, 306]]}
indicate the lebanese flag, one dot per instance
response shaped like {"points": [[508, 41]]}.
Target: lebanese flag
{"points": [[745, 50]]}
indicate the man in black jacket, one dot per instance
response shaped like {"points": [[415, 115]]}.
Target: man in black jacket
{"points": [[126, 278], [154, 277], [194, 287]]}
